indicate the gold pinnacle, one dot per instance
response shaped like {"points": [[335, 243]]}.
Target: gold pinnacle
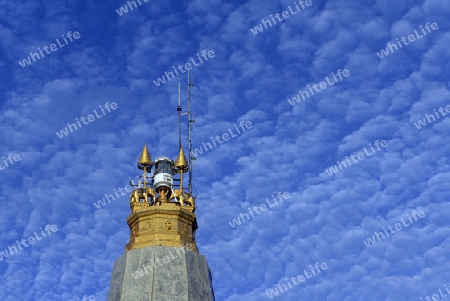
{"points": [[181, 162], [145, 158]]}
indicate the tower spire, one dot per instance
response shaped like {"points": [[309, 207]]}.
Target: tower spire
{"points": [[162, 221], [181, 162], [145, 159], [190, 120]]}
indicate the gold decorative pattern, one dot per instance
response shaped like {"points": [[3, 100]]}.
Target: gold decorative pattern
{"points": [[168, 225], [148, 226], [165, 225]]}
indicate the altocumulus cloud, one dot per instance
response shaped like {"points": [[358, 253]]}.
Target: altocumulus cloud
{"points": [[288, 148]]}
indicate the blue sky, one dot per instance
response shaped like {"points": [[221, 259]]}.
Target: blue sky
{"points": [[327, 219]]}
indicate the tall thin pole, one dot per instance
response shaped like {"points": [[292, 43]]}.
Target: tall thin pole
{"points": [[189, 132], [145, 184], [179, 118]]}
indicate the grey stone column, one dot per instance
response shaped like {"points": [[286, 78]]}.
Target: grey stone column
{"points": [[160, 273]]}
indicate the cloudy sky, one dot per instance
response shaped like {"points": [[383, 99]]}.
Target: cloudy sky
{"points": [[119, 56]]}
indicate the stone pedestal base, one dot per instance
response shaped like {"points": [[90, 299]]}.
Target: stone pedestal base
{"points": [[160, 273]]}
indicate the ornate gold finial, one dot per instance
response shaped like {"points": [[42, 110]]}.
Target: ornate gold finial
{"points": [[145, 159], [181, 163]]}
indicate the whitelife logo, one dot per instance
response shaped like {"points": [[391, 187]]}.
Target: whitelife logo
{"points": [[10, 158], [199, 151], [166, 259], [323, 85], [436, 297], [110, 198], [162, 80], [371, 240], [284, 15], [334, 169], [411, 38], [90, 118], [31, 240], [124, 9], [34, 55], [243, 216], [423, 122], [281, 288]]}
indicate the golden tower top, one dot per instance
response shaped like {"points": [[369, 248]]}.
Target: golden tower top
{"points": [[162, 213]]}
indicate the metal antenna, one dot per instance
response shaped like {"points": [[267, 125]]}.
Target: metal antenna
{"points": [[179, 118], [189, 131]]}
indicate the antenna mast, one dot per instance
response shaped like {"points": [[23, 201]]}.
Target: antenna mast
{"points": [[179, 118], [189, 131]]}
